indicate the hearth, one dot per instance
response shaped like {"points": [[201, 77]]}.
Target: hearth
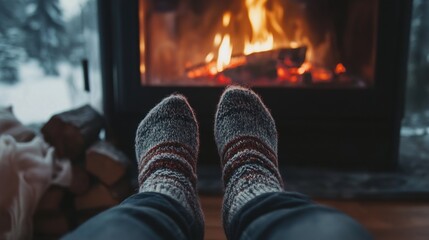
{"points": [[332, 72]]}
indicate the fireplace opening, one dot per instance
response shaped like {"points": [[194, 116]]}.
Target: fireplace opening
{"points": [[263, 43]]}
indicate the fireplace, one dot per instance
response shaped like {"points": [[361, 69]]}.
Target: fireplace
{"points": [[332, 72]]}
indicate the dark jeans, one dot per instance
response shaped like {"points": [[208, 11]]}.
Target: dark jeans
{"points": [[269, 216]]}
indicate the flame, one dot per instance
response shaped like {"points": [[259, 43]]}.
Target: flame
{"points": [[217, 39], [209, 57], [262, 39], [224, 54], [260, 20], [294, 44], [226, 19], [305, 67]]}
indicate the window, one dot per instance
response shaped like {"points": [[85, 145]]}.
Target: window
{"points": [[44, 45]]}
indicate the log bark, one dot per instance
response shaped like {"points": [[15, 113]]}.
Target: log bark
{"points": [[97, 197], [81, 181], [73, 131], [121, 189]]}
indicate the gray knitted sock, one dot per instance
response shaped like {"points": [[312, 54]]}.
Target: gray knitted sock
{"points": [[167, 149], [246, 138]]}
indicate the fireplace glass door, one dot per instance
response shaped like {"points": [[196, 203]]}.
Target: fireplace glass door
{"points": [[263, 43]]}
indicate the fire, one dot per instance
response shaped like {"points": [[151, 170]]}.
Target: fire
{"points": [[260, 20], [225, 53], [209, 57], [226, 19], [262, 39], [217, 39], [225, 48], [266, 44], [305, 67]]}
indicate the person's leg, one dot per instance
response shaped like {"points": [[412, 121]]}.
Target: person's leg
{"points": [[284, 215], [255, 204], [167, 205]]}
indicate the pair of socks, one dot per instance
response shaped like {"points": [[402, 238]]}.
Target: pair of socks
{"points": [[167, 144]]}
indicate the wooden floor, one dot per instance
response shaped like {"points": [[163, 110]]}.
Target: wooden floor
{"points": [[385, 220]]}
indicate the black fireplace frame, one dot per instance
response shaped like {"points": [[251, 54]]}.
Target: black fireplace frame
{"points": [[352, 128]]}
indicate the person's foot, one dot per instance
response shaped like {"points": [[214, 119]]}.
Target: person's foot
{"points": [[246, 139], [167, 145]]}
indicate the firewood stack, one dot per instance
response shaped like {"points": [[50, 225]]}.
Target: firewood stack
{"points": [[101, 173]]}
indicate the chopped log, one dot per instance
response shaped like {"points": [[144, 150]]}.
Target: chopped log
{"points": [[51, 224], [122, 189], [106, 162], [51, 200], [98, 196], [10, 125], [73, 131], [81, 181]]}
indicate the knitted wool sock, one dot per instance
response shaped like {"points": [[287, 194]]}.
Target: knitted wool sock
{"points": [[167, 149], [246, 138]]}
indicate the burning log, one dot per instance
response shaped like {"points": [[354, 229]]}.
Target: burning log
{"points": [[248, 72], [106, 162], [262, 61], [72, 131], [290, 57]]}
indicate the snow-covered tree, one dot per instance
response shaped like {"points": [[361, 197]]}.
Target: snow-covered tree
{"points": [[44, 29], [10, 55], [12, 13]]}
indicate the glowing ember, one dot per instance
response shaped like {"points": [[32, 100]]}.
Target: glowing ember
{"points": [[340, 69], [321, 75]]}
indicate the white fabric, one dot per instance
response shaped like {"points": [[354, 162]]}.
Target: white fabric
{"points": [[26, 172]]}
